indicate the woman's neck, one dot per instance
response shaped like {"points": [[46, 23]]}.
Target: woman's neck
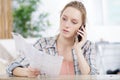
{"points": [[65, 42], [64, 47]]}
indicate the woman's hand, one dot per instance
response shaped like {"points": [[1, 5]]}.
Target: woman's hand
{"points": [[82, 33], [83, 65], [26, 72], [31, 72]]}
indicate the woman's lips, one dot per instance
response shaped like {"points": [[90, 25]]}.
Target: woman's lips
{"points": [[65, 31]]}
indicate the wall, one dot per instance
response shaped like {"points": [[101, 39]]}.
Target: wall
{"points": [[97, 28]]}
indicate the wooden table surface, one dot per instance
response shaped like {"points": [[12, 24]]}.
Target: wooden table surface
{"points": [[77, 77]]}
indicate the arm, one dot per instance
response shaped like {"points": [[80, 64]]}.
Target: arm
{"points": [[88, 59], [20, 68], [87, 62], [19, 62], [83, 65], [25, 72], [91, 59], [18, 71], [20, 65]]}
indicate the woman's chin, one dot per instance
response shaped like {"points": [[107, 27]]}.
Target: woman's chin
{"points": [[66, 36]]}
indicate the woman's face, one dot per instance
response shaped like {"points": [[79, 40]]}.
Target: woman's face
{"points": [[70, 22]]}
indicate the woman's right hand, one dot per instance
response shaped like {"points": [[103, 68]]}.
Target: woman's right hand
{"points": [[31, 72], [26, 72]]}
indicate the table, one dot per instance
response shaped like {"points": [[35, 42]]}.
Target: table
{"points": [[76, 77]]}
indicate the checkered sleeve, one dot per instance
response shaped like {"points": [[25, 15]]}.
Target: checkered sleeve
{"points": [[21, 61], [92, 59], [40, 43], [18, 62]]}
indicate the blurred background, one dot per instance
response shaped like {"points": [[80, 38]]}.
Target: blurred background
{"points": [[40, 18]]}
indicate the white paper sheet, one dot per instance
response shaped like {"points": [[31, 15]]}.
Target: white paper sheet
{"points": [[47, 64]]}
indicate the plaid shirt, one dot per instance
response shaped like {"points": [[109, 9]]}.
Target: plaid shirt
{"points": [[48, 45]]}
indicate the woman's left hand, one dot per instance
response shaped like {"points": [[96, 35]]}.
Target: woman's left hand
{"points": [[83, 65], [83, 34]]}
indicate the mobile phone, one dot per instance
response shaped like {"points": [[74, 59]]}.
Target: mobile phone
{"points": [[79, 37]]}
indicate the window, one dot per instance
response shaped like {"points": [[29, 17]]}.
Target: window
{"points": [[111, 12], [103, 12]]}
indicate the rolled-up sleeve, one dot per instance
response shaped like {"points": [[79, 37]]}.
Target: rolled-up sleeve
{"points": [[91, 55], [18, 62], [92, 60]]}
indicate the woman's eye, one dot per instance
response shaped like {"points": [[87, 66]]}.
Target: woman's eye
{"points": [[64, 19], [74, 22]]}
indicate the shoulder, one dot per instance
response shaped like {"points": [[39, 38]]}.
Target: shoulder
{"points": [[89, 47], [44, 41], [89, 44]]}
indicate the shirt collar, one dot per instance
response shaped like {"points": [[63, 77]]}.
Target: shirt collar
{"points": [[52, 42]]}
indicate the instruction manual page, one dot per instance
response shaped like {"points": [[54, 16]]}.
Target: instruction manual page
{"points": [[47, 64]]}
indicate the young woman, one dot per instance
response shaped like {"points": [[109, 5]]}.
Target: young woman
{"points": [[79, 53]]}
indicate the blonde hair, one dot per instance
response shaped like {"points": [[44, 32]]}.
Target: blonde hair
{"points": [[79, 6]]}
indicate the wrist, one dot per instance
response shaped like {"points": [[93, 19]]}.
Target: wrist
{"points": [[21, 72], [79, 54], [79, 51], [26, 72]]}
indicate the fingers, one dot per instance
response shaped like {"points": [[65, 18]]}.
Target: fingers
{"points": [[82, 32], [32, 69], [82, 29], [33, 72], [83, 35]]}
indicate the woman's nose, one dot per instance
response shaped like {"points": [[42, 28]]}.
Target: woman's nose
{"points": [[67, 24]]}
